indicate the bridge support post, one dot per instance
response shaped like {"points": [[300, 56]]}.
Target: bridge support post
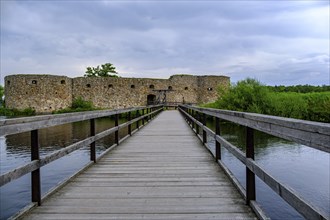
{"points": [[217, 143], [130, 125], [92, 145], [204, 132], [192, 121], [137, 122], [250, 176], [197, 126], [117, 132], [35, 175]]}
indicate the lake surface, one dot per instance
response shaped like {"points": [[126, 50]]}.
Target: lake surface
{"points": [[304, 169]]}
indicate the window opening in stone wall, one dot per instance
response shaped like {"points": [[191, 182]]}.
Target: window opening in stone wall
{"points": [[151, 87], [88, 85], [62, 81], [132, 86], [8, 82], [170, 88], [34, 82], [209, 89], [185, 88], [110, 86]]}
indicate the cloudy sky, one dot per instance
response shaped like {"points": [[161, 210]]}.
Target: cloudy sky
{"points": [[277, 42]]}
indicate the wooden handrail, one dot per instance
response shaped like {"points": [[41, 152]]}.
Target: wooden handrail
{"points": [[19, 125], [13, 126], [258, 122], [312, 134]]}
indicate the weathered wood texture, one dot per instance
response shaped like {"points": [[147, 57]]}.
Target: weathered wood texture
{"points": [[312, 134], [162, 172], [288, 194], [19, 125], [36, 164]]}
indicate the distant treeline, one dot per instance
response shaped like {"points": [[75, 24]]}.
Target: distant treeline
{"points": [[251, 96], [299, 88]]}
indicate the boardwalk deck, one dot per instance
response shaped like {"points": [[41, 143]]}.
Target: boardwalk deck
{"points": [[162, 172]]}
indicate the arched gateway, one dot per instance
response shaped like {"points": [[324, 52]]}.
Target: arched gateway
{"points": [[151, 99]]}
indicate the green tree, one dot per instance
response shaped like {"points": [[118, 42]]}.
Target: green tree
{"points": [[248, 95], [106, 70]]}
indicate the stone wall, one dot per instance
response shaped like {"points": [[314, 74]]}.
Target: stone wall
{"points": [[46, 93]]}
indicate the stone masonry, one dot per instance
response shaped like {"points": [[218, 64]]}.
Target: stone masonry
{"points": [[46, 93]]}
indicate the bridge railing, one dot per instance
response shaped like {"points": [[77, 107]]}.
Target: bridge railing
{"points": [[33, 124], [312, 134]]}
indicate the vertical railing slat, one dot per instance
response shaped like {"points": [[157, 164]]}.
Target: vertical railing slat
{"points": [[117, 132], [35, 175], [130, 125], [137, 122], [204, 132], [250, 176], [217, 144], [92, 145]]}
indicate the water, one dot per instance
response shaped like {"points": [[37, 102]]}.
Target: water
{"points": [[304, 169], [15, 151]]}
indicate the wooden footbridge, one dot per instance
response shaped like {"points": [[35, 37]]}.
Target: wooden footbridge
{"points": [[163, 171]]}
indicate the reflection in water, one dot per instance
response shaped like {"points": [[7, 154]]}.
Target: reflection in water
{"points": [[304, 169]]}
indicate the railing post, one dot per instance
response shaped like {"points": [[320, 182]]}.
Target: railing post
{"points": [[137, 122], [197, 126], [192, 121], [35, 175], [204, 123], [217, 143], [250, 177], [143, 117], [130, 125], [117, 131], [92, 145]]}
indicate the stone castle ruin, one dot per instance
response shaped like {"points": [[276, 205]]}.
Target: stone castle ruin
{"points": [[47, 93]]}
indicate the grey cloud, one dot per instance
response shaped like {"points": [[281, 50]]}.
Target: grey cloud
{"points": [[240, 38]]}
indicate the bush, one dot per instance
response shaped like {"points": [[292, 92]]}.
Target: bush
{"points": [[248, 96], [15, 112], [251, 96], [78, 105], [290, 105]]}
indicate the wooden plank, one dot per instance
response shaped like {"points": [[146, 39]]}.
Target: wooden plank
{"points": [[144, 202], [150, 176], [117, 216], [289, 195]]}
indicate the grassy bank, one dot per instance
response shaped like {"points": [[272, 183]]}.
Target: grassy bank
{"points": [[15, 112], [251, 96]]}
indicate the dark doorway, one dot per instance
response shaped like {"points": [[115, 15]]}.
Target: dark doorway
{"points": [[151, 99]]}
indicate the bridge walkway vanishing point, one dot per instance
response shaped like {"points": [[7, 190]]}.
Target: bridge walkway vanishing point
{"points": [[161, 172]]}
